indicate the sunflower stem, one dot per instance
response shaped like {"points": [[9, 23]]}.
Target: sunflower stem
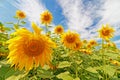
{"points": [[18, 21], [16, 26], [103, 58], [76, 71], [46, 28]]}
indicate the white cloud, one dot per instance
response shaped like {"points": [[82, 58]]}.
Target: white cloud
{"points": [[32, 8], [117, 41], [110, 14], [79, 18]]}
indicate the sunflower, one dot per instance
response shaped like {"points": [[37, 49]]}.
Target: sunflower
{"points": [[115, 62], [89, 46], [111, 44], [84, 41], [92, 42], [46, 17], [28, 50], [20, 14], [59, 29], [69, 39], [106, 32], [78, 45], [86, 51]]}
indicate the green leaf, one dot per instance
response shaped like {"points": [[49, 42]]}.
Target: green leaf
{"points": [[16, 26], [23, 22], [6, 71], [64, 64], [115, 79], [7, 28], [3, 70], [16, 77], [3, 49], [9, 23], [1, 24], [45, 74], [112, 55], [65, 76], [109, 70], [93, 70], [77, 78], [49, 26], [97, 57], [15, 17]]}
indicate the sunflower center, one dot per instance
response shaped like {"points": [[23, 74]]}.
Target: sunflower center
{"points": [[92, 43], [34, 47], [46, 17], [21, 14], [77, 45], [70, 39], [59, 29], [105, 32]]}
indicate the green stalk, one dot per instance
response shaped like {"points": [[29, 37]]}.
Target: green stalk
{"points": [[16, 26], [18, 21], [76, 71], [103, 52], [103, 57], [46, 28]]}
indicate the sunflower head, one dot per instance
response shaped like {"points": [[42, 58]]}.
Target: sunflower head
{"points": [[69, 39], [59, 29], [84, 41], [28, 50], [106, 32], [92, 42], [78, 45], [86, 51], [115, 62], [46, 17], [20, 14], [111, 44], [89, 46]]}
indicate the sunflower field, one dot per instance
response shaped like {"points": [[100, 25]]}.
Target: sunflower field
{"points": [[41, 54]]}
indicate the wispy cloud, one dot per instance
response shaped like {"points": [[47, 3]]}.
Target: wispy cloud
{"points": [[111, 14], [78, 17], [82, 16], [32, 8]]}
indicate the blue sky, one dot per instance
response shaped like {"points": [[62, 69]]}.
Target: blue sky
{"points": [[83, 16]]}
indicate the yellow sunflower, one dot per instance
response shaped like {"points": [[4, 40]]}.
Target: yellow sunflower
{"points": [[115, 62], [84, 41], [59, 29], [46, 17], [111, 44], [92, 42], [78, 45], [86, 51], [69, 39], [106, 32], [89, 46], [28, 50], [20, 14]]}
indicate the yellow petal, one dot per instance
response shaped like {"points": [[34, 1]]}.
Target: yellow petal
{"points": [[36, 29]]}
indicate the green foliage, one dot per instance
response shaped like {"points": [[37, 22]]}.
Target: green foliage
{"points": [[66, 64], [6, 72]]}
